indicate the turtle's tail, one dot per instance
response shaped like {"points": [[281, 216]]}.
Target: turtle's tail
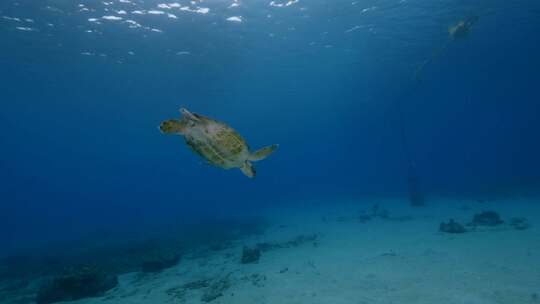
{"points": [[263, 153]]}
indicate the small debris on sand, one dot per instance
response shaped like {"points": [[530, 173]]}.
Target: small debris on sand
{"points": [[520, 223], [215, 290], [297, 241], [250, 255], [452, 227]]}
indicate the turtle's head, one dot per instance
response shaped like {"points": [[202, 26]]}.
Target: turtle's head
{"points": [[173, 126], [471, 20]]}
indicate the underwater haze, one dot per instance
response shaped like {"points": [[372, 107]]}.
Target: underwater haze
{"points": [[426, 110]]}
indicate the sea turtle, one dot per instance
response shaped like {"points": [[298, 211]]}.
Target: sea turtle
{"points": [[463, 27], [215, 141], [457, 31]]}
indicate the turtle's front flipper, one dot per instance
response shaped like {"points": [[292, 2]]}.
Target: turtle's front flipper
{"points": [[262, 153], [188, 114], [248, 169]]}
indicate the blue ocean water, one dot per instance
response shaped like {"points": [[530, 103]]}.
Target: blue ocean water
{"points": [[85, 85]]}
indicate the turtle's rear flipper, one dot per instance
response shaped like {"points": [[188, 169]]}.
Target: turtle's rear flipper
{"points": [[263, 153], [248, 169]]}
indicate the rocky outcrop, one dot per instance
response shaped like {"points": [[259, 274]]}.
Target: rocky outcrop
{"points": [[77, 283], [487, 218]]}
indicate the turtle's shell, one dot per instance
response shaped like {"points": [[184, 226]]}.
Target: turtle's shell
{"points": [[218, 143]]}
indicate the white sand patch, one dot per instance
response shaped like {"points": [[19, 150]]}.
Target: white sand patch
{"points": [[235, 19], [283, 4], [202, 10], [111, 18], [11, 18], [402, 259], [26, 29], [133, 24], [54, 9], [352, 29], [199, 10], [156, 12], [369, 9]]}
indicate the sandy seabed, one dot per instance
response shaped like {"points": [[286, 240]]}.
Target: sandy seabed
{"points": [[396, 260]]}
